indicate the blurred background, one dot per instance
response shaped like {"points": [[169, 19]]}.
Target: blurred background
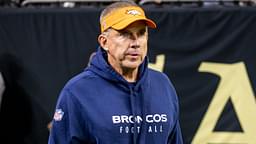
{"points": [[206, 47]]}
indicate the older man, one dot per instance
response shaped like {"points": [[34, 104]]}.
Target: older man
{"points": [[118, 99]]}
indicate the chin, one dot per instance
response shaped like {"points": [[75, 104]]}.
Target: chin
{"points": [[132, 65]]}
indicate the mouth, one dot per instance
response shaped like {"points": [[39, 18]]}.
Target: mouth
{"points": [[133, 54]]}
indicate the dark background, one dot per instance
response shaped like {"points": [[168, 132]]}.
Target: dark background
{"points": [[41, 49]]}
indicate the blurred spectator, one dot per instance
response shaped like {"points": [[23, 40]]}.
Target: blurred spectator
{"points": [[2, 88], [15, 112], [211, 3]]}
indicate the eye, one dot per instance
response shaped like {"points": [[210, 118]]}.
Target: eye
{"points": [[142, 32], [125, 33]]}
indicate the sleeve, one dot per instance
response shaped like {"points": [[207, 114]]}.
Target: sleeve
{"points": [[175, 137], [68, 124]]}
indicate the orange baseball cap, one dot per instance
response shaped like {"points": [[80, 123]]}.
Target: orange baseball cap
{"points": [[122, 17]]}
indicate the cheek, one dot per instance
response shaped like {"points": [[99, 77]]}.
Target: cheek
{"points": [[119, 46], [117, 51], [119, 43], [144, 47]]}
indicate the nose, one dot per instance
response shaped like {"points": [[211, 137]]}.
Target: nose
{"points": [[135, 44], [135, 41]]}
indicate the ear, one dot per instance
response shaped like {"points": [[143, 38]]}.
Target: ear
{"points": [[102, 39]]}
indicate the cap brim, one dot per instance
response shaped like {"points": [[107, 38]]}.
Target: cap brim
{"points": [[123, 24]]}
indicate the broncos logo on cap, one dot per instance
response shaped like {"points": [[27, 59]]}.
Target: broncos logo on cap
{"points": [[133, 12]]}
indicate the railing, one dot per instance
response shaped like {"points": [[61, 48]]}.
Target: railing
{"points": [[73, 3], [26, 2]]}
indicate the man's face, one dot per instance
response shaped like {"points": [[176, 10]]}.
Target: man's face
{"points": [[127, 48]]}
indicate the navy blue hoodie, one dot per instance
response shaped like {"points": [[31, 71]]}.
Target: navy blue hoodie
{"points": [[99, 106]]}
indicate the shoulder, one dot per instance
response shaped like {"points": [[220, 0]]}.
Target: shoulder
{"points": [[77, 85], [159, 76], [161, 80], [83, 79]]}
